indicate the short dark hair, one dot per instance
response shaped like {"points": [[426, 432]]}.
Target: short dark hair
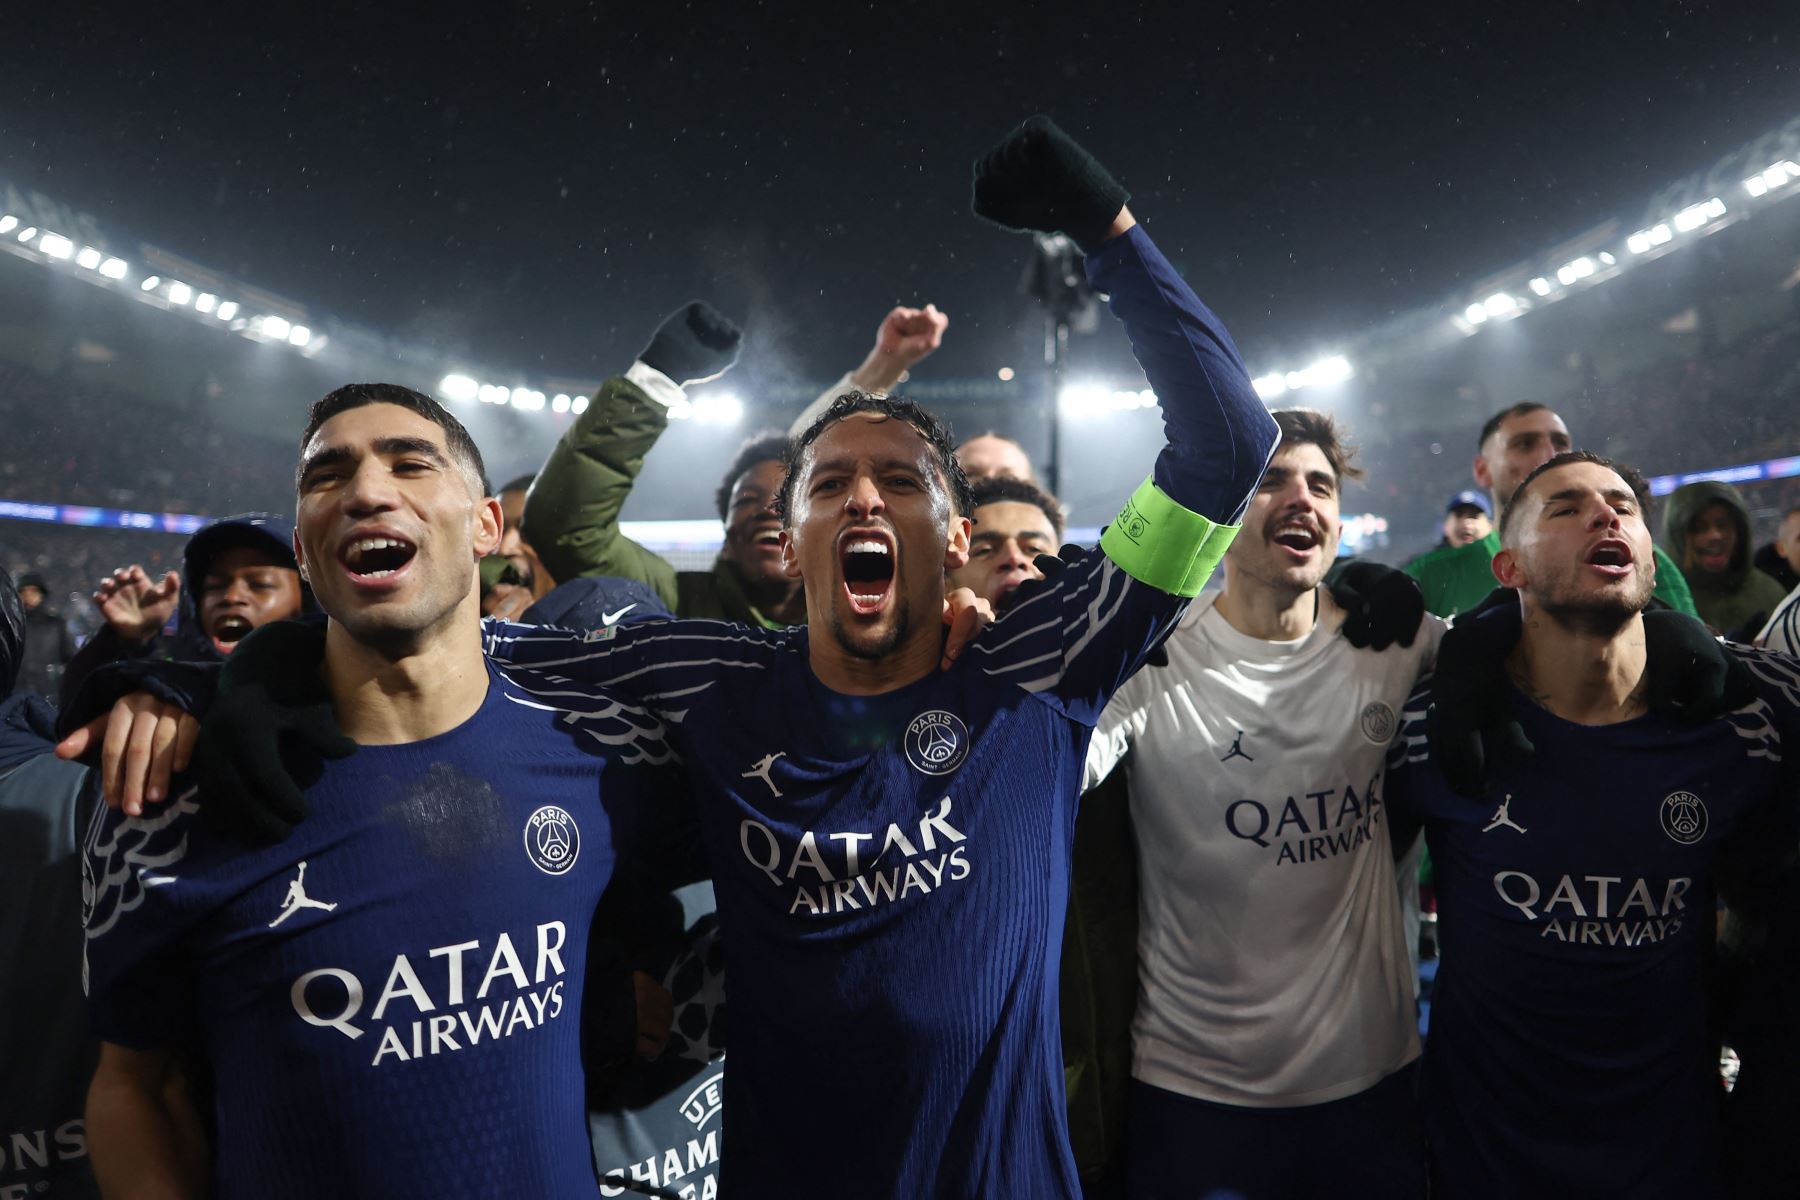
{"points": [[1002, 489], [458, 444], [1630, 475], [771, 445], [1512, 410], [521, 484], [1310, 427], [896, 408]]}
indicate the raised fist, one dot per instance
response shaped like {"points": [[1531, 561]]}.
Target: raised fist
{"points": [[1039, 178], [135, 608]]}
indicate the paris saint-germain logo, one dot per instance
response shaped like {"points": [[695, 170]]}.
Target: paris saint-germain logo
{"points": [[937, 742], [1378, 722], [1684, 817], [552, 841]]}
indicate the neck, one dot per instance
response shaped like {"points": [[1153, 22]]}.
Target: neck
{"points": [[1588, 676], [1274, 613], [388, 696], [852, 675]]}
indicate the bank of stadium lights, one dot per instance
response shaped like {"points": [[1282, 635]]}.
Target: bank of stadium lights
{"points": [[1324, 373], [1773, 178], [1092, 399]]}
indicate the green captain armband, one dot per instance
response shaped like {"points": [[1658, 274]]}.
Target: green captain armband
{"points": [[1156, 541]]}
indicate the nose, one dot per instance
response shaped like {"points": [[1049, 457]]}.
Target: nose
{"points": [[864, 499], [371, 490], [1604, 516], [1013, 559], [236, 592]]}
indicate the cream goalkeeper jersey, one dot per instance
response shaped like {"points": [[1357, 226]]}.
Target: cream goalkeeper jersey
{"points": [[1273, 969]]}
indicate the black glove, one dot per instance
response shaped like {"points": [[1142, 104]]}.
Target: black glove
{"points": [[1381, 605], [271, 695], [1039, 178], [1688, 672], [696, 341], [1469, 696]]}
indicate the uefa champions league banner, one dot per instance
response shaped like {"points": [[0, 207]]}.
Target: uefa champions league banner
{"points": [[105, 518]]}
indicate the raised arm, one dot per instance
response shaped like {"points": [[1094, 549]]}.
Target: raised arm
{"points": [[572, 515], [906, 336]]}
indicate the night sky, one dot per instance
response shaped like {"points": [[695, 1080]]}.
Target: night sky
{"points": [[536, 189]]}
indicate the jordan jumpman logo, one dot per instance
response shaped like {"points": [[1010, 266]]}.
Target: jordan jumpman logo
{"points": [[1237, 749], [763, 769], [297, 898], [1502, 817]]}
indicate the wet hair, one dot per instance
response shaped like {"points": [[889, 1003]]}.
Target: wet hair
{"points": [[1003, 489], [1310, 427], [1630, 475], [769, 446], [1515, 410], [458, 444], [896, 408]]}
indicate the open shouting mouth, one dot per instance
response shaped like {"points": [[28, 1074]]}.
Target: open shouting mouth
{"points": [[1297, 538], [867, 560], [376, 562], [228, 630], [1610, 557]]}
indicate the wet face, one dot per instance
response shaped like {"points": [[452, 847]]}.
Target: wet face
{"points": [[987, 456], [245, 588], [1290, 532], [390, 528], [1466, 524], [1712, 538], [752, 530], [1580, 551], [872, 534], [1008, 537], [1521, 445]]}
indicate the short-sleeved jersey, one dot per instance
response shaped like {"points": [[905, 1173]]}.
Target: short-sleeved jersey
{"points": [[1272, 964], [892, 877], [1570, 1052], [389, 999]]}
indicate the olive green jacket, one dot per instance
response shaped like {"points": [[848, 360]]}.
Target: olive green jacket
{"points": [[572, 514]]}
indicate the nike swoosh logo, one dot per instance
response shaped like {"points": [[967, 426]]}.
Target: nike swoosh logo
{"points": [[612, 618]]}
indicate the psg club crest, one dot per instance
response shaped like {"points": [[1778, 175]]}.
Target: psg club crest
{"points": [[1378, 723], [1684, 817], [552, 841], [937, 742]]}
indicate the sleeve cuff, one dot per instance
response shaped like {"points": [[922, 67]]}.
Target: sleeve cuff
{"points": [[655, 384]]}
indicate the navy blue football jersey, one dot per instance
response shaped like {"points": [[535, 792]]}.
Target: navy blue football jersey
{"points": [[390, 999], [1573, 1049]]}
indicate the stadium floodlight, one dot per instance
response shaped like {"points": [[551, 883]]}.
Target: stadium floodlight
{"points": [[1696, 215], [275, 328], [299, 335], [113, 268], [179, 292], [559, 402], [1639, 242], [1500, 304], [1005, 374], [1756, 185], [718, 408], [1474, 314], [8, 223], [1326, 371], [1607, 258], [490, 394], [1540, 286], [527, 400], [1082, 399], [578, 405], [56, 245], [1659, 234], [228, 310], [1269, 386], [458, 387], [88, 259], [205, 302], [150, 284], [1565, 275], [27, 233]]}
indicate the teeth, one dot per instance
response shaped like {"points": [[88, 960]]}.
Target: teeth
{"points": [[866, 599], [768, 537], [866, 547]]}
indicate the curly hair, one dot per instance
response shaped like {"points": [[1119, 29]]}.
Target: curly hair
{"points": [[897, 408]]}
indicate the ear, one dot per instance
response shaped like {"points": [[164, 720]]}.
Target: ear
{"points": [[956, 550], [1483, 476], [790, 555], [1507, 570], [490, 525], [300, 556]]}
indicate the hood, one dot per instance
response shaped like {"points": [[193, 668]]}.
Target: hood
{"points": [[264, 531], [12, 633], [597, 602], [27, 729], [1685, 503]]}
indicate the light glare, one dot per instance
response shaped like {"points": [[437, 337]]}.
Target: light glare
{"points": [[458, 387], [113, 268], [88, 258], [179, 292]]}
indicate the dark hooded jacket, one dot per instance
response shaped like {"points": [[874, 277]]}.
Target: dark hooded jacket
{"points": [[46, 1052], [1768, 560], [1738, 596], [188, 642]]}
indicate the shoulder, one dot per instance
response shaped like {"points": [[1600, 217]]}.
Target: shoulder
{"points": [[1776, 675]]}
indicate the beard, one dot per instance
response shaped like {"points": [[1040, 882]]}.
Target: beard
{"points": [[1599, 614], [884, 644]]}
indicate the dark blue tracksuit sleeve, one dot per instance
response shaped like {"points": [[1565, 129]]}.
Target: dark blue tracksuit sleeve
{"points": [[1219, 433]]}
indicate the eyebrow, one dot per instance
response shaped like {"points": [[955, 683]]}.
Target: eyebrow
{"points": [[995, 535], [844, 463], [1577, 493], [335, 456]]}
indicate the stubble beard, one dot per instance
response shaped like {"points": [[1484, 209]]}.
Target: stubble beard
{"points": [[885, 644]]}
